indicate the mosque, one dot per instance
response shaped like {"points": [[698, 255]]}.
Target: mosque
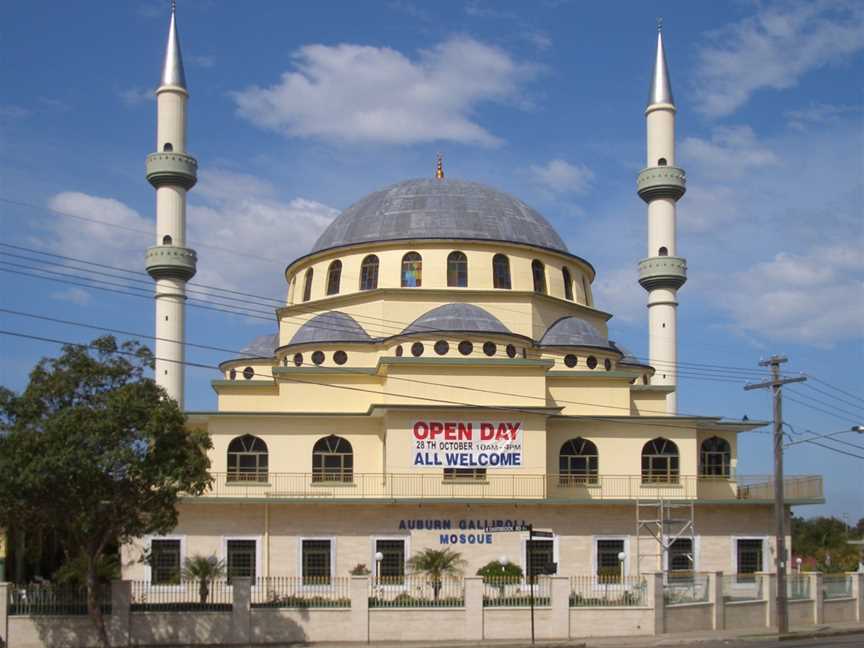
{"points": [[441, 369]]}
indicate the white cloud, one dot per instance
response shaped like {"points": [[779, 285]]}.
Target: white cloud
{"points": [[136, 95], [815, 298], [77, 296], [774, 49], [731, 151], [11, 111], [538, 38], [357, 93], [618, 292], [817, 114], [244, 238], [201, 61], [560, 177]]}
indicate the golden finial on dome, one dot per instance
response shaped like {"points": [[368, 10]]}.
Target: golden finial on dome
{"points": [[439, 167]]}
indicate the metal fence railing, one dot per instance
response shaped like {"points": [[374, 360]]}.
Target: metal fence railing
{"points": [[836, 586], [183, 596], [432, 485], [693, 589], [43, 599], [506, 591], [736, 588], [797, 587], [299, 592], [416, 590], [595, 591]]}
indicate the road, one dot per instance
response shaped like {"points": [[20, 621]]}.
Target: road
{"points": [[847, 641]]}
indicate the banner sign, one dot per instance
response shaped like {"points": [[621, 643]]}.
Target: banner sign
{"points": [[467, 444]]}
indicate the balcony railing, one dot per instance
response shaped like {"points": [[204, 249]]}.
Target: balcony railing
{"points": [[433, 486]]}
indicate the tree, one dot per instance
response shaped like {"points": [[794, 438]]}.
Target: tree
{"points": [[437, 564], [822, 543], [96, 452], [204, 569]]}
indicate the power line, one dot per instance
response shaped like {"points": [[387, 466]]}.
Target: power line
{"points": [[148, 233], [352, 388], [399, 378], [819, 409], [827, 384], [821, 402], [843, 452], [829, 435]]}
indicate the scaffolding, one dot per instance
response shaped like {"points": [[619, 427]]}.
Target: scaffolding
{"points": [[659, 524]]}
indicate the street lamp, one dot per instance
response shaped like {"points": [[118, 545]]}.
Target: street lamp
{"points": [[378, 558], [621, 557], [798, 562]]}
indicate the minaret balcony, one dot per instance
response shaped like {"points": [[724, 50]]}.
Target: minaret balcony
{"points": [[661, 182], [171, 262], [662, 272], [171, 168]]}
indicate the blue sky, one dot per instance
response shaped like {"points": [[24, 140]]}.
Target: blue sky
{"points": [[297, 110]]}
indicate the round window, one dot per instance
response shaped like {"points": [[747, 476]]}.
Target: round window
{"points": [[399, 351], [248, 372], [511, 351], [298, 359], [570, 360], [232, 374], [318, 357], [591, 362], [441, 347], [340, 357], [489, 348], [608, 364], [466, 347], [417, 349]]}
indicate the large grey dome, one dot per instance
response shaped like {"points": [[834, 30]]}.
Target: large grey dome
{"points": [[573, 331], [331, 326], [439, 209], [456, 317]]}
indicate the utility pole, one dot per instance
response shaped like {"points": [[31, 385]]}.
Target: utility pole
{"points": [[776, 383]]}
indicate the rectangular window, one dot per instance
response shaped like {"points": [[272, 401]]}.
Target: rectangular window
{"points": [[680, 557], [541, 557], [749, 559], [241, 559], [316, 562], [608, 565], [464, 474], [164, 562], [392, 566]]}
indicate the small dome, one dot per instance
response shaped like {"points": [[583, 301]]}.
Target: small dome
{"points": [[261, 347], [628, 357], [439, 209], [573, 331], [456, 317], [331, 326]]}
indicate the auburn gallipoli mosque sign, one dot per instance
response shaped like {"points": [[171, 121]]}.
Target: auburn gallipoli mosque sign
{"points": [[467, 444]]}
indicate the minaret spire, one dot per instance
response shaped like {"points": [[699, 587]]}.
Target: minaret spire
{"points": [[172, 73], [660, 91], [172, 172], [439, 167], [661, 184]]}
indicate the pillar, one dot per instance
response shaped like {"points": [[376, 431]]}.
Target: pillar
{"points": [[360, 608], [119, 623], [656, 601], [241, 611], [769, 595], [715, 597], [560, 589], [858, 594], [818, 595], [4, 613], [474, 630]]}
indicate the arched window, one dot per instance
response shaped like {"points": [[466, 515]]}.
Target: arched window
{"points": [[334, 274], [167, 240], [662, 162], [332, 460], [577, 462], [660, 462], [568, 283], [538, 271], [501, 272], [412, 270], [663, 251], [247, 459], [369, 273], [715, 458], [457, 270], [307, 286], [168, 147]]}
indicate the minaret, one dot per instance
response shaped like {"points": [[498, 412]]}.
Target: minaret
{"points": [[172, 173], [660, 184]]}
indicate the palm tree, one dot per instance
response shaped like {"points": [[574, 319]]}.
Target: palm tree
{"points": [[203, 569], [436, 564]]}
